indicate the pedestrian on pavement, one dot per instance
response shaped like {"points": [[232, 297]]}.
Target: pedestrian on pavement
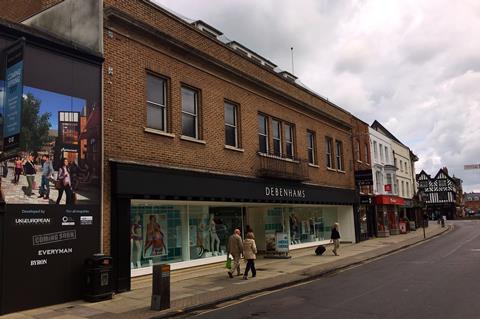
{"points": [[30, 171], [235, 248], [249, 254], [47, 171], [335, 238], [65, 183]]}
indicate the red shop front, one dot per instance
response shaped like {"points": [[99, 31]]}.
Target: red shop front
{"points": [[386, 208]]}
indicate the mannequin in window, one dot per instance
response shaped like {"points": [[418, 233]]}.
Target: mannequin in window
{"points": [[214, 240], [136, 241], [294, 229]]}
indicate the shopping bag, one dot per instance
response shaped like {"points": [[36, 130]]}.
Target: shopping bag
{"points": [[228, 263]]}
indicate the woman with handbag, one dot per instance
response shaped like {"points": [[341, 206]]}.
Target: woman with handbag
{"points": [[64, 183], [250, 254]]}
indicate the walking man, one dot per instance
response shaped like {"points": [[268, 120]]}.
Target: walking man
{"points": [[47, 171], [335, 238], [235, 248]]}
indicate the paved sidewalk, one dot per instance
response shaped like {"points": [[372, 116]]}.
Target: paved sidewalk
{"points": [[208, 285]]}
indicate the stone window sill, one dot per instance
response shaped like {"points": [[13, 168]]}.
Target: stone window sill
{"points": [[158, 132], [192, 139]]}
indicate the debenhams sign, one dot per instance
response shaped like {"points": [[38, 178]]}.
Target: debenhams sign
{"points": [[284, 192]]}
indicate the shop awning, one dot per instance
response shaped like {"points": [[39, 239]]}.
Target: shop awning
{"points": [[389, 200]]}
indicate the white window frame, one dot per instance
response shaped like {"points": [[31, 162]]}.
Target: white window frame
{"points": [[339, 155], [329, 152], [311, 146], [289, 126], [158, 105], [235, 120], [265, 122], [279, 138], [195, 115]]}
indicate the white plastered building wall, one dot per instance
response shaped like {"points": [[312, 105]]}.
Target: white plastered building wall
{"points": [[381, 154], [406, 184]]}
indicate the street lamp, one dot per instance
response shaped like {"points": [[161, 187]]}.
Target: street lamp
{"points": [[422, 198]]}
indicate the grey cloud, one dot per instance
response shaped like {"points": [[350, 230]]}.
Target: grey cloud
{"points": [[377, 59]]}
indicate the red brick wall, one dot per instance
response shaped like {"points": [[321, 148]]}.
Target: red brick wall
{"points": [[360, 134], [131, 54], [19, 10]]}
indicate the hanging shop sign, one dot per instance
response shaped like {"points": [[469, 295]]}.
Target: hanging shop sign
{"points": [[364, 177]]}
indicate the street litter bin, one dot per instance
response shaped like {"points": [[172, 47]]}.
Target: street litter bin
{"points": [[98, 278], [160, 287]]}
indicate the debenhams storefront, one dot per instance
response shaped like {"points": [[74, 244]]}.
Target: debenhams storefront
{"points": [[164, 215]]}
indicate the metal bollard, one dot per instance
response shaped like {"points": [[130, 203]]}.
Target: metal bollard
{"points": [[160, 287]]}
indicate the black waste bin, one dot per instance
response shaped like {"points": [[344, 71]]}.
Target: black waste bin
{"points": [[98, 278]]}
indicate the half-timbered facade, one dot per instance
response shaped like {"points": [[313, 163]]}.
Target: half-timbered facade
{"points": [[441, 193]]}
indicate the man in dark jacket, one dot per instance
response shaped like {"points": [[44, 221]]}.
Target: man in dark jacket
{"points": [[235, 248], [335, 238]]}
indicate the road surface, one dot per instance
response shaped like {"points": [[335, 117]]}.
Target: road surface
{"points": [[438, 279]]}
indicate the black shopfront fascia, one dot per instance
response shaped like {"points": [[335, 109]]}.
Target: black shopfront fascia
{"points": [[134, 181]]}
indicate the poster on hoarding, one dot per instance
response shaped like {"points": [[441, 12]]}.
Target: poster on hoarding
{"points": [[155, 235]]}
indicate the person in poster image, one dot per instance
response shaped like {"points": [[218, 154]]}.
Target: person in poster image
{"points": [[214, 240], [30, 171], [136, 240], [47, 171], [18, 169], [155, 239], [335, 238], [65, 183]]}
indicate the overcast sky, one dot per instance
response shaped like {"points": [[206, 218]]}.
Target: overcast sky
{"points": [[412, 65]]}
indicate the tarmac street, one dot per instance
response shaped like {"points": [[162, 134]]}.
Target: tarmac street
{"points": [[208, 287], [439, 279]]}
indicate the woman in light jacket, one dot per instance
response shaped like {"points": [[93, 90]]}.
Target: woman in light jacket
{"points": [[249, 254]]}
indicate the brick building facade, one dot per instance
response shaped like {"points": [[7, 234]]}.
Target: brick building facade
{"points": [[472, 203], [145, 43], [201, 136], [364, 210]]}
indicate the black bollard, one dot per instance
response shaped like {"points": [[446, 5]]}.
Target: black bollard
{"points": [[160, 287]]}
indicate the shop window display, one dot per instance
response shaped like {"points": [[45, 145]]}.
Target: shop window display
{"points": [[174, 233], [310, 224], [209, 228], [156, 234]]}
